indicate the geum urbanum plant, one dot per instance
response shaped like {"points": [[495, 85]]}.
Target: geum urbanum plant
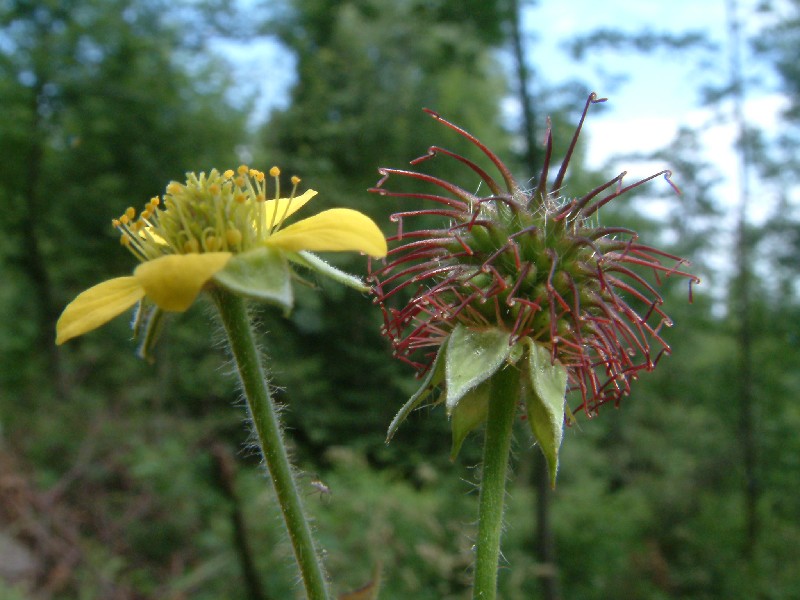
{"points": [[517, 298], [219, 233]]}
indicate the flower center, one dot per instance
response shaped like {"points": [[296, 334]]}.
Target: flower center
{"points": [[214, 212]]}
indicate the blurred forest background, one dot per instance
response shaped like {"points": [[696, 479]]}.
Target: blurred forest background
{"points": [[120, 479]]}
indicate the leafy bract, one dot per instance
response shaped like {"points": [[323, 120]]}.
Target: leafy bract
{"points": [[473, 356], [262, 274], [315, 263], [471, 412], [432, 380], [545, 395]]}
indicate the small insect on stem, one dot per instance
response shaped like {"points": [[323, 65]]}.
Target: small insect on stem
{"points": [[324, 490]]}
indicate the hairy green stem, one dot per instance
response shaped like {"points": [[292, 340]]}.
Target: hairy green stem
{"points": [[236, 321], [496, 451]]}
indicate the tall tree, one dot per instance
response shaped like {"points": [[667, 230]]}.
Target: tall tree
{"points": [[741, 290]]}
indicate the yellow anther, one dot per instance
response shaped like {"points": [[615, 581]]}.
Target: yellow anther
{"points": [[146, 214], [124, 219], [240, 198], [243, 169], [295, 180], [233, 237], [239, 181], [214, 189], [228, 174], [274, 172], [191, 246], [115, 223], [130, 212], [125, 241], [174, 188], [261, 198], [259, 176]]}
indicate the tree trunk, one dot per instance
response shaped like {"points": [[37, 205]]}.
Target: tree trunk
{"points": [[545, 540], [741, 299], [532, 152], [33, 261]]}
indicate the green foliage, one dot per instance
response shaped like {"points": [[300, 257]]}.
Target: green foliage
{"points": [[417, 534], [70, 163], [365, 71], [644, 41]]}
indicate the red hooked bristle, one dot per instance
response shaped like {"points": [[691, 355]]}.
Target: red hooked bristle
{"points": [[533, 269]]}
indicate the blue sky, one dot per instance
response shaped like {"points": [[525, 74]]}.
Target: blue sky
{"points": [[659, 93]]}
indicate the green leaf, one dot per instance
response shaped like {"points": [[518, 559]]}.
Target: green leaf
{"points": [[315, 263], [471, 411], [545, 398], [432, 380], [262, 274], [472, 357], [147, 325]]}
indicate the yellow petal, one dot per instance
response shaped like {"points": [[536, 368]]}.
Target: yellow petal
{"points": [[338, 229], [275, 211], [97, 306], [174, 281]]}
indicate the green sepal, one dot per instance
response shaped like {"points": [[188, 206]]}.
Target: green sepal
{"points": [[262, 274], [471, 412], [433, 378], [473, 356], [140, 316], [545, 400], [148, 323], [315, 263]]}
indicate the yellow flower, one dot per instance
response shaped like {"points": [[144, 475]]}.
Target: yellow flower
{"points": [[220, 229]]}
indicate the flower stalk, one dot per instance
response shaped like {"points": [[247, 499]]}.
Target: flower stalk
{"points": [[505, 392], [252, 375]]}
